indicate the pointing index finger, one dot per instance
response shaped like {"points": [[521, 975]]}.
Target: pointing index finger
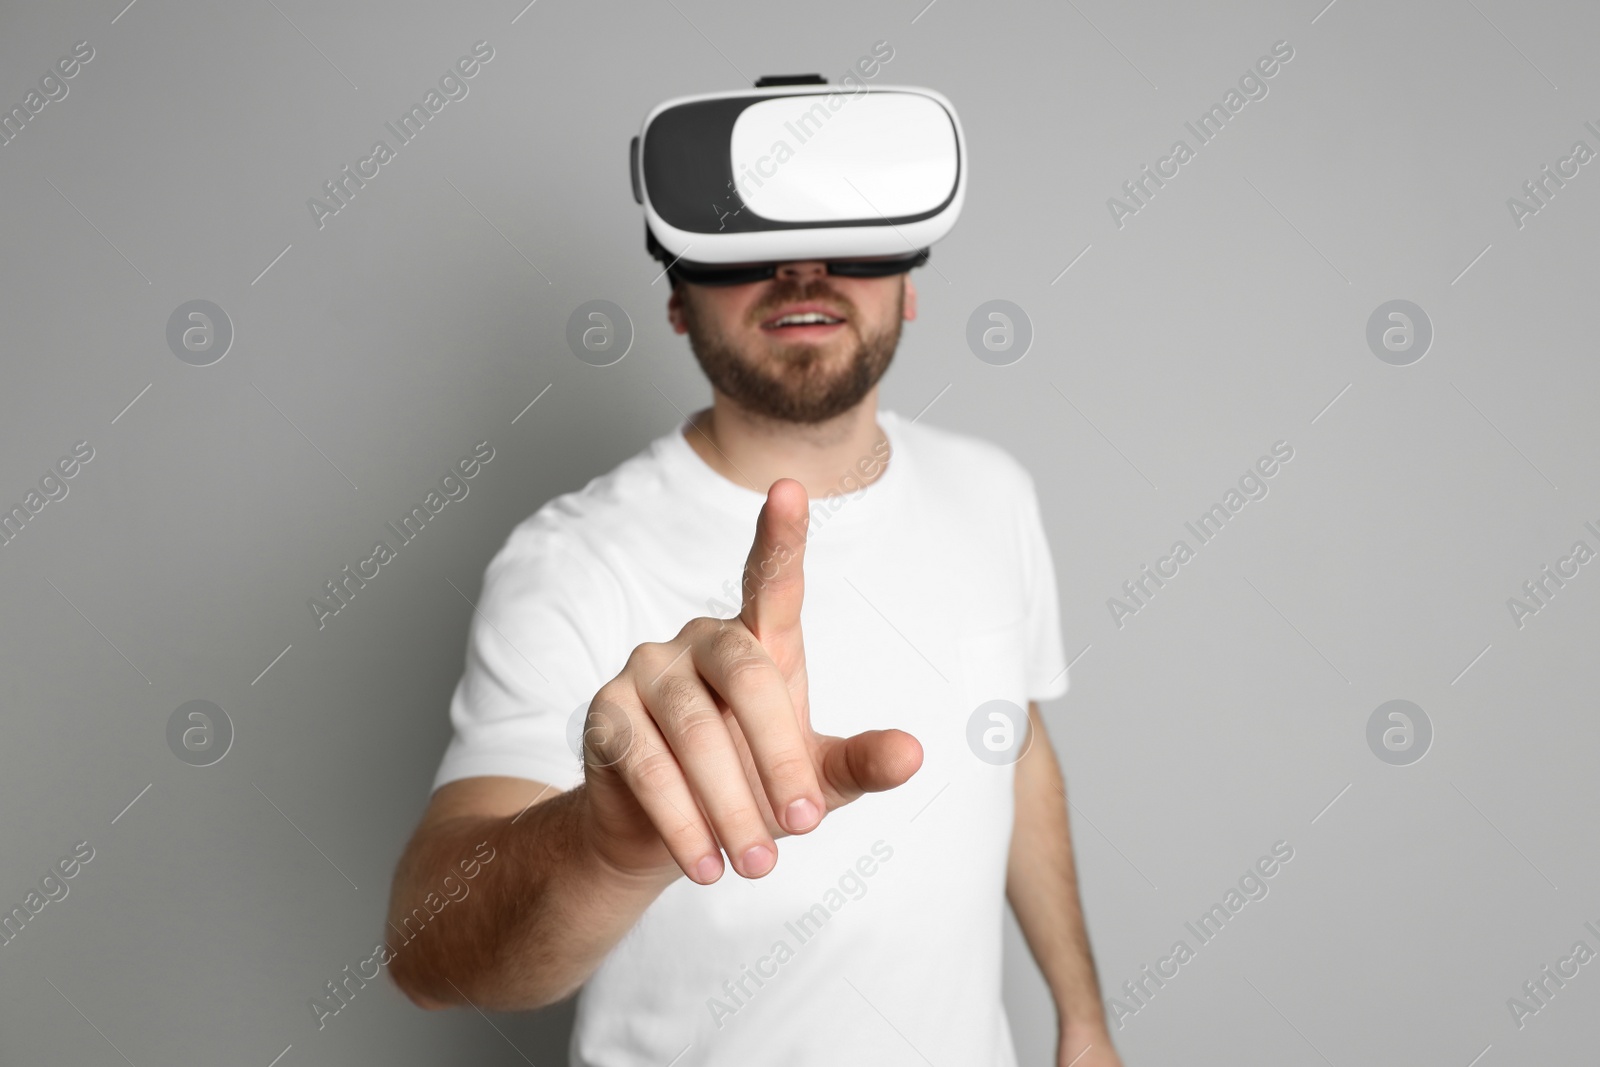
{"points": [[774, 580]]}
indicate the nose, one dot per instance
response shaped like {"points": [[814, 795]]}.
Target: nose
{"points": [[802, 270]]}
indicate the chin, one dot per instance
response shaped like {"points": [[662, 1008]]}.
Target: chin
{"points": [[839, 346]]}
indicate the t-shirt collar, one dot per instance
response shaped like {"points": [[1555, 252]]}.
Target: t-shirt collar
{"points": [[848, 506]]}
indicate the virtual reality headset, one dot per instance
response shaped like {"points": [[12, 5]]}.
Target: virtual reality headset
{"points": [[734, 183]]}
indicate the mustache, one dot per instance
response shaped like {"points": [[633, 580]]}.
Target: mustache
{"points": [[788, 291]]}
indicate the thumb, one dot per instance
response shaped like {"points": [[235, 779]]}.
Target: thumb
{"points": [[869, 762]]}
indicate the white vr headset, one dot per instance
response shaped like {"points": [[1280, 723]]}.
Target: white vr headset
{"points": [[734, 183]]}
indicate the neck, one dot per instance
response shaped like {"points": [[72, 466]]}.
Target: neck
{"points": [[754, 451]]}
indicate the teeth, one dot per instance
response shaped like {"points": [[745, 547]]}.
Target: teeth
{"points": [[807, 318]]}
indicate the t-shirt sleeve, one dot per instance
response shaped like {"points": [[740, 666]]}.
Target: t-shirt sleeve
{"points": [[547, 605], [1047, 660]]}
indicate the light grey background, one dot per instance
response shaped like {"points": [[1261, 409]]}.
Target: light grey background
{"points": [[1228, 314]]}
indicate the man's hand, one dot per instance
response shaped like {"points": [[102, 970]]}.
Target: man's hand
{"points": [[1086, 1047], [702, 745]]}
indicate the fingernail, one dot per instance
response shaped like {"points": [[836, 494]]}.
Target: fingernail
{"points": [[802, 815], [757, 860], [708, 870]]}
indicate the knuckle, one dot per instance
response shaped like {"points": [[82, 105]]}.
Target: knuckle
{"points": [[743, 662], [684, 837], [748, 668], [614, 693], [652, 768], [731, 644], [676, 700], [608, 732], [790, 768], [697, 729], [701, 628], [642, 656]]}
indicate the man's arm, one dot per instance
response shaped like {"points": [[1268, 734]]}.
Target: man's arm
{"points": [[539, 916], [671, 782], [1042, 886]]}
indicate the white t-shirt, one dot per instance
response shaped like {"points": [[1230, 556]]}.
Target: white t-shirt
{"points": [[877, 937]]}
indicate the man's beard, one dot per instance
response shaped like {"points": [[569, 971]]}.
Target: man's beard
{"points": [[793, 385]]}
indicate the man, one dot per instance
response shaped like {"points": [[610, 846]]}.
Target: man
{"points": [[712, 872]]}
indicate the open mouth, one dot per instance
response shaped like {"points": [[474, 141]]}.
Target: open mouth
{"points": [[803, 322]]}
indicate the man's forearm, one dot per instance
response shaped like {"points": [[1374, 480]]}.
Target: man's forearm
{"points": [[1042, 886], [538, 918]]}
